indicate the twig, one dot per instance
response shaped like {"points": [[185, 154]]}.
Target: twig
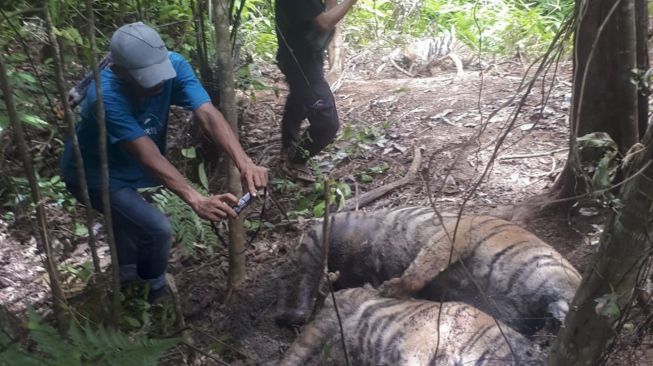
{"points": [[534, 155], [230, 347]]}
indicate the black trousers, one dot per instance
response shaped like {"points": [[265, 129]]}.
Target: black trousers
{"points": [[310, 98]]}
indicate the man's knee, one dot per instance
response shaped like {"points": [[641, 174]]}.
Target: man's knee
{"points": [[325, 121], [161, 231]]}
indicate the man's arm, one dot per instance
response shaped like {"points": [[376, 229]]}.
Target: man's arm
{"points": [[214, 123], [212, 207], [334, 12]]}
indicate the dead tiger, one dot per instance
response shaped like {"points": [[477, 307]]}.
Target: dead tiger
{"points": [[381, 331], [496, 266]]}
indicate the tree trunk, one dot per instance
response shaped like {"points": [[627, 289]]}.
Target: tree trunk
{"points": [[607, 289], [228, 107], [602, 72], [641, 27], [625, 247], [68, 119], [45, 246], [336, 56], [104, 166]]}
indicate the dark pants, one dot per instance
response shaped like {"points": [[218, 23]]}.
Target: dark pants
{"points": [[142, 233], [310, 97]]}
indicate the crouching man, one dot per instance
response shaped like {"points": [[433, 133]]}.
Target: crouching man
{"points": [[144, 80]]}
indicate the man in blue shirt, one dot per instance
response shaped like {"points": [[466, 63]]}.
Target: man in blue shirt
{"points": [[144, 80]]}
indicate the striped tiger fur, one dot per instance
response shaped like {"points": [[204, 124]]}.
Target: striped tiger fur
{"points": [[390, 332], [495, 265]]}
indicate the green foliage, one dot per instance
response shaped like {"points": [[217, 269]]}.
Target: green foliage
{"points": [[190, 231], [80, 272], [367, 175], [311, 204], [84, 346], [31, 104], [53, 191], [506, 27], [259, 37], [608, 306], [599, 159]]}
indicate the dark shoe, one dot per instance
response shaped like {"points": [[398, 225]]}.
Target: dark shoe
{"points": [[158, 295], [300, 171], [167, 301]]}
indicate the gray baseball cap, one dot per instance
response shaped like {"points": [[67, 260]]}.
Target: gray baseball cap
{"points": [[139, 49]]}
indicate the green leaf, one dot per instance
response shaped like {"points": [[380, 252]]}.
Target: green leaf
{"points": [[347, 133], [33, 120], [365, 178], [378, 169], [81, 230], [608, 306], [132, 322], [318, 210], [203, 179], [189, 153]]}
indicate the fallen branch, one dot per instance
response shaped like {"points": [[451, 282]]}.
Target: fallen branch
{"points": [[535, 155], [379, 192], [401, 68]]}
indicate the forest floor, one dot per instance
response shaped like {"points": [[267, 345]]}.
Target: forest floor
{"points": [[384, 116]]}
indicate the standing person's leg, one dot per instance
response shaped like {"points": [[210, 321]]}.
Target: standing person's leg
{"points": [[321, 113], [293, 115], [323, 119], [294, 111], [312, 98]]}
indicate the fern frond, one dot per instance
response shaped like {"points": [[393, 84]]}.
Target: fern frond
{"points": [[49, 342], [188, 228], [86, 346], [109, 347], [11, 355]]}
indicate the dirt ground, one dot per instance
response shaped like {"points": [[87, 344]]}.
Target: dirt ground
{"points": [[384, 117]]}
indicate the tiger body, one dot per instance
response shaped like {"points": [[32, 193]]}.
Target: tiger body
{"points": [[381, 331], [495, 265], [423, 56]]}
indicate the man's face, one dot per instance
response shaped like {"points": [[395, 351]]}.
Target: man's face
{"points": [[135, 86]]}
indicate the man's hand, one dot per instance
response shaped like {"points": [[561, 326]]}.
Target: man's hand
{"points": [[252, 177], [334, 12], [213, 122], [216, 208]]}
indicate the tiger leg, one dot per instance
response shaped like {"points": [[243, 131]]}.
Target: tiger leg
{"points": [[431, 260]]}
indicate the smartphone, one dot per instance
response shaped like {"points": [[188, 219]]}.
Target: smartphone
{"points": [[243, 202]]}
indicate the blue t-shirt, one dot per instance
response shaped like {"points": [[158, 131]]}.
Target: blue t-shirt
{"points": [[128, 119]]}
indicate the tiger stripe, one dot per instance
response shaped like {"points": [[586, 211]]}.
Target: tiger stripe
{"points": [[383, 332], [490, 256]]}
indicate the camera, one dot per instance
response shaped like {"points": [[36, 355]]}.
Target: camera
{"points": [[243, 202]]}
